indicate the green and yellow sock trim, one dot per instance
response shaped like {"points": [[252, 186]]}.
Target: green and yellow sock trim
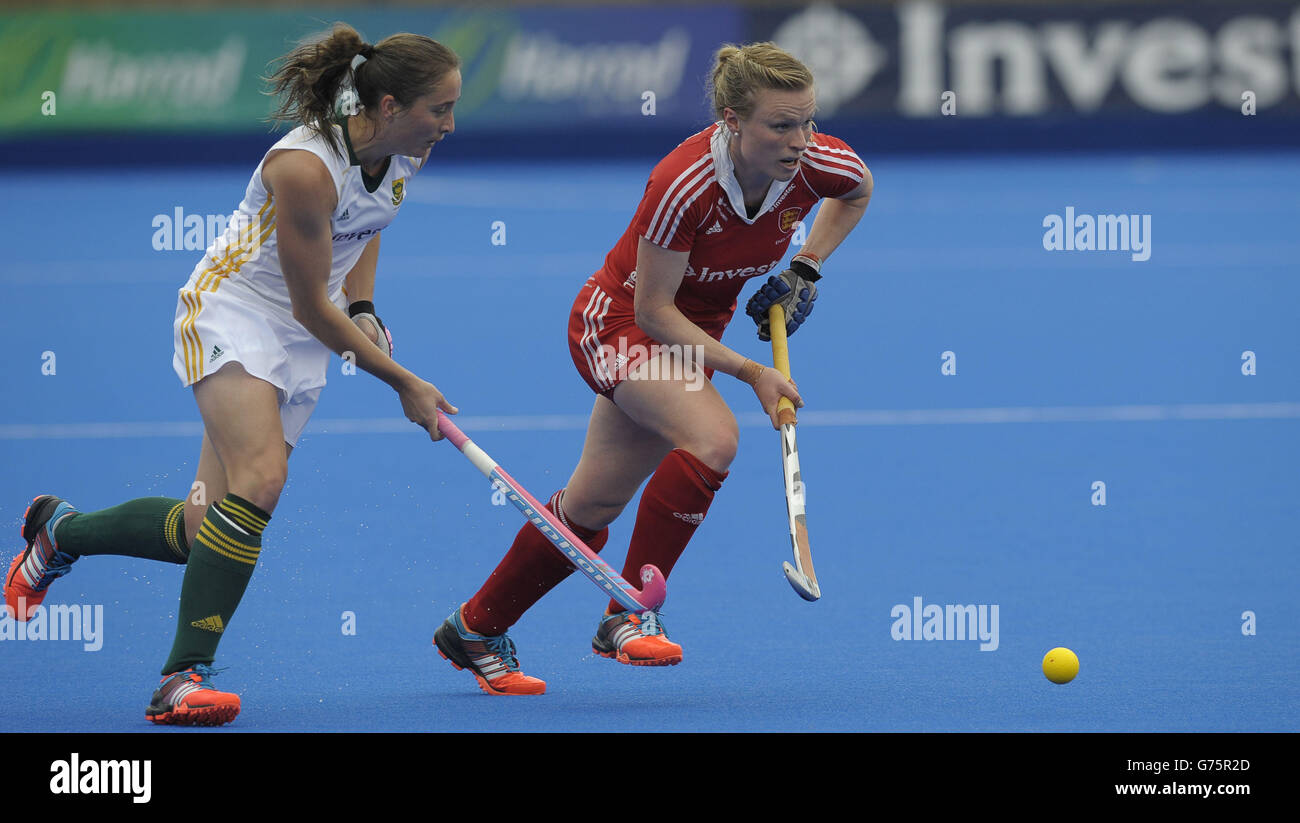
{"points": [[235, 532], [245, 514], [227, 548], [174, 532]]}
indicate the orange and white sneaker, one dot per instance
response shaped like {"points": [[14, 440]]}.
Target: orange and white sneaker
{"points": [[491, 659], [186, 698], [41, 563], [637, 639]]}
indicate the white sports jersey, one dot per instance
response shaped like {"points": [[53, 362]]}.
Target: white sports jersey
{"points": [[246, 257]]}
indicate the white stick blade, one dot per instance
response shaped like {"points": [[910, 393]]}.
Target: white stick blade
{"points": [[803, 586]]}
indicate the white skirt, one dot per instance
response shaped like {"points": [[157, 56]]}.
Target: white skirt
{"points": [[223, 322]]}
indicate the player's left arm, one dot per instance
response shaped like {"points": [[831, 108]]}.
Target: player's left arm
{"points": [[836, 218], [359, 286], [360, 282], [795, 287]]}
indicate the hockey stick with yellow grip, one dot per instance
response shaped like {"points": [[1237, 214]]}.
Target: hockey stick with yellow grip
{"points": [[801, 575]]}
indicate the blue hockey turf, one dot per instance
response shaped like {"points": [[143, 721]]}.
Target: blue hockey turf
{"points": [[970, 489]]}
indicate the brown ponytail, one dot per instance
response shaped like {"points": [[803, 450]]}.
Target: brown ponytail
{"points": [[310, 78]]}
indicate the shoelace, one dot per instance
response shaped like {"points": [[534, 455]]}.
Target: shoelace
{"points": [[56, 565], [650, 624], [504, 648], [204, 672]]}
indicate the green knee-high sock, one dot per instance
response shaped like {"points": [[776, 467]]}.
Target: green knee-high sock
{"points": [[221, 563], [150, 527]]}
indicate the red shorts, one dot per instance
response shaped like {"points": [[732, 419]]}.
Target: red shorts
{"points": [[605, 342]]}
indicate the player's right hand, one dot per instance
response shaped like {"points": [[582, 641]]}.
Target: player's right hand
{"points": [[422, 401], [770, 387]]}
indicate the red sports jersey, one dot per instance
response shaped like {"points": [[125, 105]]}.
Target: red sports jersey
{"points": [[693, 203]]}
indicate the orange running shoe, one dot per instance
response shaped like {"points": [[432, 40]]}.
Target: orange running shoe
{"points": [[635, 639], [186, 698], [490, 659], [41, 563]]}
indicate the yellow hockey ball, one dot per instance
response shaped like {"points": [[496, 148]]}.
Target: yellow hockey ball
{"points": [[1060, 665]]}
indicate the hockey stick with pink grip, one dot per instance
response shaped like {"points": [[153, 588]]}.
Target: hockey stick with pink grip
{"points": [[649, 598]]}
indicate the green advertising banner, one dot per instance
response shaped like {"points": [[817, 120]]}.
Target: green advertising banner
{"points": [[174, 72]]}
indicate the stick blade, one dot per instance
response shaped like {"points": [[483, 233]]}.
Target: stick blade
{"points": [[654, 587], [804, 586]]}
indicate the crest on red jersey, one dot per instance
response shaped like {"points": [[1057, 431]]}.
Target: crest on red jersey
{"points": [[789, 217]]}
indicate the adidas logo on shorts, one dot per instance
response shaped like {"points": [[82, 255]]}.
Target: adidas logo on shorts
{"points": [[693, 519], [217, 352]]}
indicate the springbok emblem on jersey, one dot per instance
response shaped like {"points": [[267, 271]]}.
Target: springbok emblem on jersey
{"points": [[399, 190], [789, 217]]}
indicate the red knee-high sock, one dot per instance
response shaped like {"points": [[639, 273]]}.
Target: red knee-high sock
{"points": [[531, 568], [673, 505]]}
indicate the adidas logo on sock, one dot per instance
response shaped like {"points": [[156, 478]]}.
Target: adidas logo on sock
{"points": [[217, 351], [212, 624], [693, 519]]}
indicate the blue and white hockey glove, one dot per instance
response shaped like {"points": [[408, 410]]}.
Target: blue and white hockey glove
{"points": [[794, 289]]}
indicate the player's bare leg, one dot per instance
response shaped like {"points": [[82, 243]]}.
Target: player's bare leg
{"points": [[209, 486], [688, 415], [241, 419], [245, 458], [617, 456]]}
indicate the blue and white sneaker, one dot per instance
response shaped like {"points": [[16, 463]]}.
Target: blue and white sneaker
{"points": [[33, 570]]}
